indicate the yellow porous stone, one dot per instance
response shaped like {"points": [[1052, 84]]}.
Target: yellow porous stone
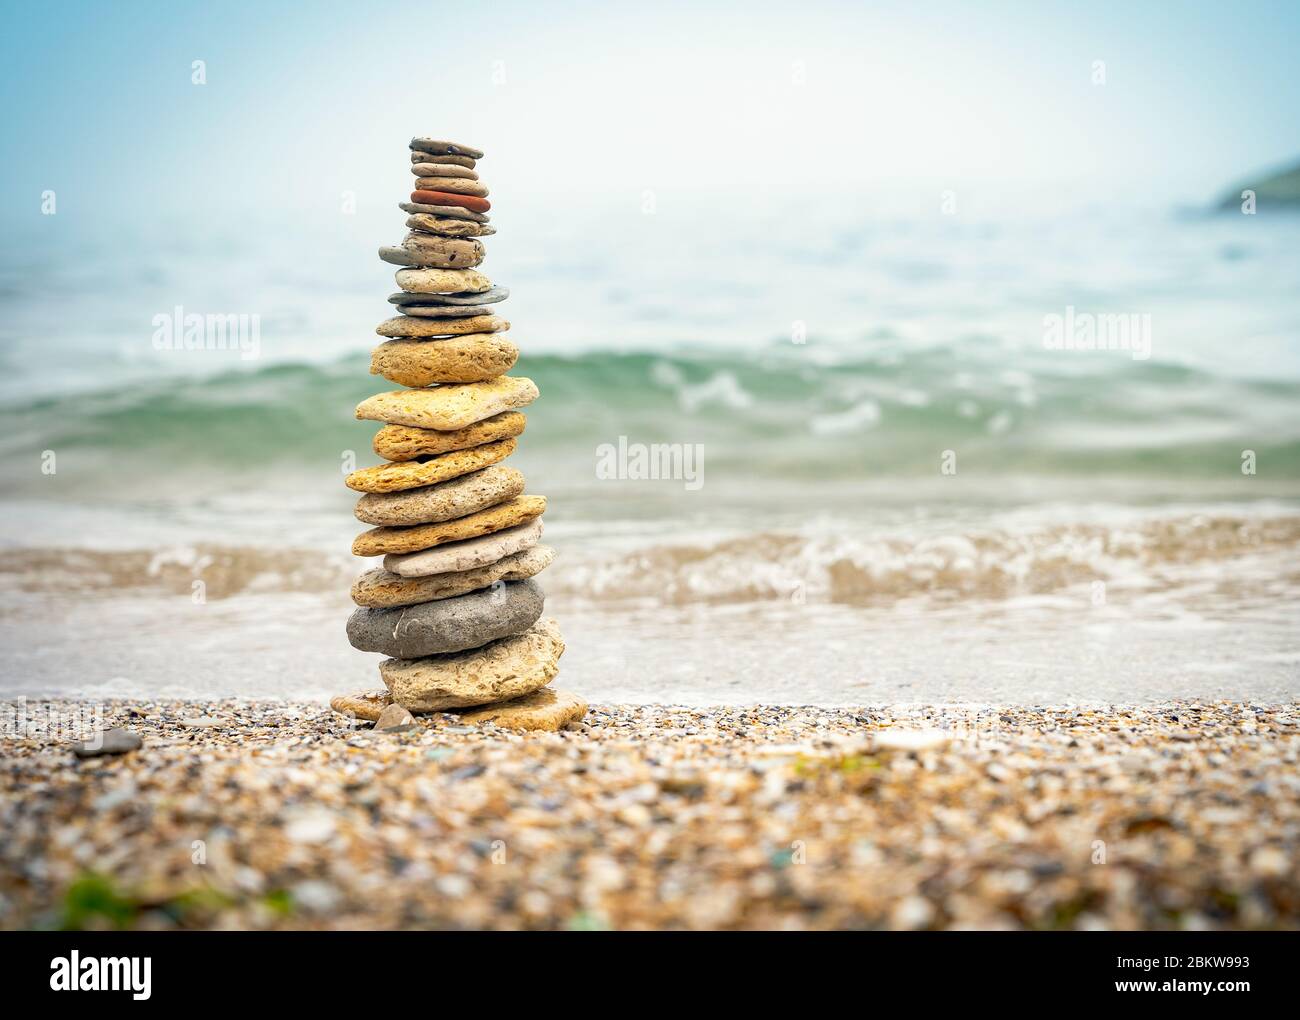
{"points": [[403, 442], [449, 407], [413, 474], [385, 540], [461, 359], [547, 709]]}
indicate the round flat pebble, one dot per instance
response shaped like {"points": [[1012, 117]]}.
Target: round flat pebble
{"points": [[410, 326], [443, 170], [452, 185]]}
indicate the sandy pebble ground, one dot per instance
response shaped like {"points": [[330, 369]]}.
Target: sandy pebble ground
{"points": [[273, 815]]}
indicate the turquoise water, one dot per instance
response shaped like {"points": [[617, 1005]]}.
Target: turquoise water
{"points": [[902, 493]]}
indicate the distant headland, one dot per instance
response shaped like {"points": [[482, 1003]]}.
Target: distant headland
{"points": [[1276, 189]]}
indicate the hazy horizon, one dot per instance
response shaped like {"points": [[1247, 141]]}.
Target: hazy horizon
{"points": [[892, 101]]}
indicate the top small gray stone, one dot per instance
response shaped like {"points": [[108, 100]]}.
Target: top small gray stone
{"points": [[439, 147]]}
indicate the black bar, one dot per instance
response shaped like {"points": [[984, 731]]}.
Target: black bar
{"points": [[335, 969]]}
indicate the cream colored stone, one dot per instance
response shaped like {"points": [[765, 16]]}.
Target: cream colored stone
{"points": [[458, 556], [443, 502], [416, 474], [450, 407], [408, 326], [444, 170], [442, 281], [396, 541], [433, 251], [452, 186], [545, 709], [509, 668], [380, 589]]}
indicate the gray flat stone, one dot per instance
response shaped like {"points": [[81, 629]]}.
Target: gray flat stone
{"points": [[454, 211], [445, 311], [438, 146], [487, 297], [448, 625], [114, 741]]}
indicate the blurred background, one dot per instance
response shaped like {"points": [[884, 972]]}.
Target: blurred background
{"points": [[819, 246]]}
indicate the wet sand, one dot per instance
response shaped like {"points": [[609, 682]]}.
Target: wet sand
{"points": [[274, 815]]}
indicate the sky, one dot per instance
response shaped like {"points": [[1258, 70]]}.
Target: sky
{"points": [[730, 103]]}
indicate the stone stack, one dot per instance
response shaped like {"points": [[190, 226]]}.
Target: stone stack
{"points": [[454, 603]]}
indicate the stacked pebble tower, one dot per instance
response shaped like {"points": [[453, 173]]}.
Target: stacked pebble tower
{"points": [[453, 604]]}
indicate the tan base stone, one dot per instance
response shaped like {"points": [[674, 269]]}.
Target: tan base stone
{"points": [[500, 671], [547, 709]]}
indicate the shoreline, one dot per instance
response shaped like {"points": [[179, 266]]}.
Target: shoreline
{"points": [[1177, 815]]}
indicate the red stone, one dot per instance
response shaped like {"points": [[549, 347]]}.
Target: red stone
{"points": [[446, 198]]}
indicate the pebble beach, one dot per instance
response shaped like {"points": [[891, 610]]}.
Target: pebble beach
{"points": [[238, 814]]}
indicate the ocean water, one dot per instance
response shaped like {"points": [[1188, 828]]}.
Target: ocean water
{"points": [[889, 489]]}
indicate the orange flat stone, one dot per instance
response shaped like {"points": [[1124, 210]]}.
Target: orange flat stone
{"points": [[446, 198]]}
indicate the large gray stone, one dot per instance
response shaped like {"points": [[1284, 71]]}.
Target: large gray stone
{"points": [[448, 625]]}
